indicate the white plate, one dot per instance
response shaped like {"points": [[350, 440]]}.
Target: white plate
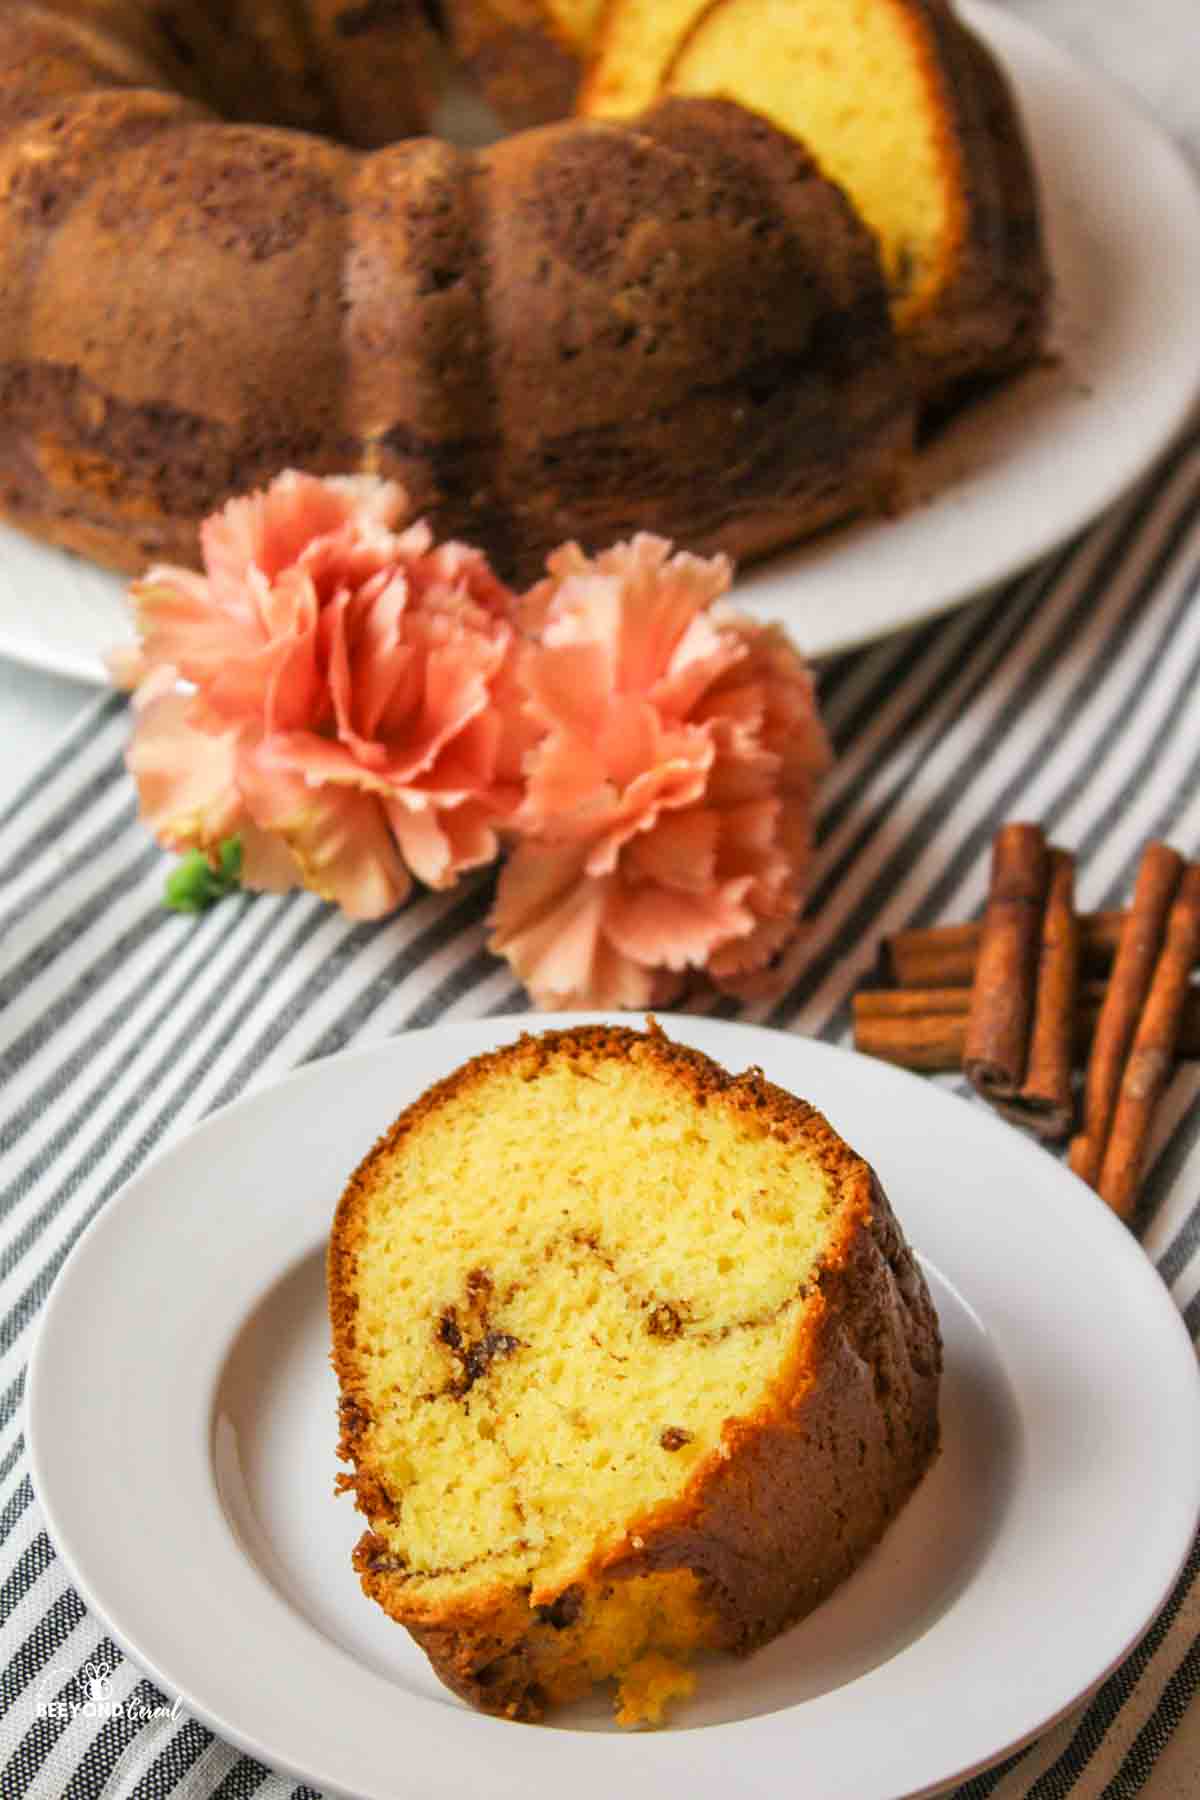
{"points": [[181, 1414], [1013, 478]]}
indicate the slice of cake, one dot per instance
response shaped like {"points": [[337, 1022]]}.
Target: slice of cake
{"points": [[906, 110], [634, 1362], [632, 47]]}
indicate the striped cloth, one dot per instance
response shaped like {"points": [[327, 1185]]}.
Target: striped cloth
{"points": [[1069, 697]]}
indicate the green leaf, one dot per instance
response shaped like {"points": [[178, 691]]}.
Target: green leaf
{"points": [[195, 883], [229, 857]]}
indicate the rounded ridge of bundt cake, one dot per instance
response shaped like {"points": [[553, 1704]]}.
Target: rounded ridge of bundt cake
{"points": [[180, 337], [194, 304], [633, 1362], [688, 335], [418, 402]]}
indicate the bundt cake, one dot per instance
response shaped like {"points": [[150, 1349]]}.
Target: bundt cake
{"points": [[579, 332], [634, 1362], [673, 324], [905, 109]]}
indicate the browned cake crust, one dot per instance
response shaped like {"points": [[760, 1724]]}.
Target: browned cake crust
{"points": [[799, 1490], [990, 317]]}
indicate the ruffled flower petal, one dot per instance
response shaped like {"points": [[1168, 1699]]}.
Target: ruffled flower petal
{"points": [[642, 603], [548, 922], [339, 838], [186, 778], [764, 965], [268, 866], [358, 684], [680, 853], [178, 625], [272, 529], [439, 844], [670, 796], [775, 685], [664, 927]]}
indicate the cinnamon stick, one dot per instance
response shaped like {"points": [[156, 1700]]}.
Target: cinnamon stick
{"points": [[918, 1028], [1046, 1101], [1141, 941], [1002, 994], [1148, 1068], [926, 1028], [944, 956]]}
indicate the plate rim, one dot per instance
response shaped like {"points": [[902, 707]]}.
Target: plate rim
{"points": [[473, 1035], [1022, 47]]}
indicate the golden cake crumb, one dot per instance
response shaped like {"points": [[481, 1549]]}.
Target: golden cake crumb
{"points": [[646, 1689]]}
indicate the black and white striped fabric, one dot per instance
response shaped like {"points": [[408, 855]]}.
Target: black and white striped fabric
{"points": [[1072, 697]]}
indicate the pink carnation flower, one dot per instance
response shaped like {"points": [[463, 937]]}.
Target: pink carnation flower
{"points": [[667, 820], [336, 693]]}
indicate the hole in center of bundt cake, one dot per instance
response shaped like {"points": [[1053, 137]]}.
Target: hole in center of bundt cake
{"points": [[568, 1281]]}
